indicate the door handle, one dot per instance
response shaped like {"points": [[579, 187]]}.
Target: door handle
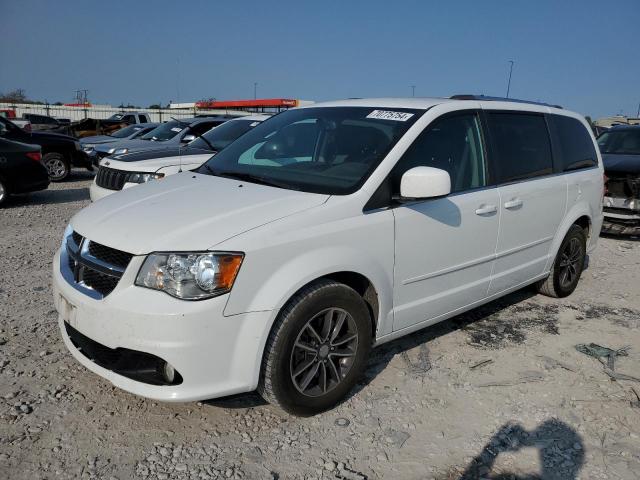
{"points": [[485, 209], [513, 204]]}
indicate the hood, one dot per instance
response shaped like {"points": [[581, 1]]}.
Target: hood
{"points": [[155, 163], [133, 143], [98, 139], [161, 153], [616, 163], [187, 211]]}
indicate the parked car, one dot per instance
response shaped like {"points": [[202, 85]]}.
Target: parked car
{"points": [[45, 123], [131, 169], [320, 233], [620, 148], [127, 117], [10, 114], [59, 152], [127, 133], [21, 169], [166, 135]]}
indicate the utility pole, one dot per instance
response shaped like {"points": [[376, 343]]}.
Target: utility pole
{"points": [[255, 90], [509, 82], [638, 114], [413, 90]]}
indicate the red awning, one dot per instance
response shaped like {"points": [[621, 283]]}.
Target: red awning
{"points": [[263, 102]]}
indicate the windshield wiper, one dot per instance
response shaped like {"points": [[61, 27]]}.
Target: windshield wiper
{"points": [[249, 177]]}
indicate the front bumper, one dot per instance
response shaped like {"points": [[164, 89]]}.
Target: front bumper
{"points": [[79, 158], [621, 215], [215, 355], [96, 192]]}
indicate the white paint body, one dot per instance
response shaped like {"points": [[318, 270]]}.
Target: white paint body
{"points": [[427, 260]]}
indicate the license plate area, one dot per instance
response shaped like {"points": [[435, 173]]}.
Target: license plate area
{"points": [[67, 311]]}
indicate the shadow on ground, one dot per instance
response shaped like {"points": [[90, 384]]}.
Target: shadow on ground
{"points": [[560, 451], [48, 197]]}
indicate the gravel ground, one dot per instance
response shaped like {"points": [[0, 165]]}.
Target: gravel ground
{"points": [[499, 392]]}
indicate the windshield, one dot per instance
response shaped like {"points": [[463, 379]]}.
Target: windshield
{"points": [[626, 142], [163, 132], [221, 136], [116, 116], [125, 132], [329, 150]]}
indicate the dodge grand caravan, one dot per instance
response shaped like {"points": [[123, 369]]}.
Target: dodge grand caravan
{"points": [[322, 232]]}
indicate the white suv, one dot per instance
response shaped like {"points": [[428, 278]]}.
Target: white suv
{"points": [[324, 231]]}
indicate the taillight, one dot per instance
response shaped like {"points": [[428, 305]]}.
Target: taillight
{"points": [[605, 189], [37, 156]]}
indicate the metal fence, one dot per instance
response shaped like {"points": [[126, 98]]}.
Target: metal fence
{"points": [[103, 112]]}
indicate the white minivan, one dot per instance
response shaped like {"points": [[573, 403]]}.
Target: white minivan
{"points": [[323, 232]]}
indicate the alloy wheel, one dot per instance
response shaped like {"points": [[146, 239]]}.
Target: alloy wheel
{"points": [[56, 168], [324, 352], [570, 262]]}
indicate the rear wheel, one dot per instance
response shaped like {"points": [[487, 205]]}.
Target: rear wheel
{"points": [[57, 166], [317, 349], [567, 267]]}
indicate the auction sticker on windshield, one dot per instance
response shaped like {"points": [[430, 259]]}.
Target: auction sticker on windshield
{"points": [[389, 115]]}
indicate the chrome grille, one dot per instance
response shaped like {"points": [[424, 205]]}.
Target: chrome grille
{"points": [[111, 178], [93, 268]]}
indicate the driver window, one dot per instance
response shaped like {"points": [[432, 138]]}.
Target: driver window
{"points": [[453, 144]]}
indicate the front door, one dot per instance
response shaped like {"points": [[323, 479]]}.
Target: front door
{"points": [[445, 247]]}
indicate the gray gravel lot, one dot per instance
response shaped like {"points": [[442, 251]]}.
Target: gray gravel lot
{"points": [[498, 391]]}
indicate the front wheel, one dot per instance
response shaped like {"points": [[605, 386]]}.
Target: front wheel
{"points": [[568, 265], [57, 166], [317, 349]]}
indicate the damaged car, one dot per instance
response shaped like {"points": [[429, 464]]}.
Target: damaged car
{"points": [[620, 148]]}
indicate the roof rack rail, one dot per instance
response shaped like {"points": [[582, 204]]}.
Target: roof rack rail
{"points": [[500, 99]]}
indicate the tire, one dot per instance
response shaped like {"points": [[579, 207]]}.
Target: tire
{"points": [[57, 166], [334, 357], [4, 192], [567, 266]]}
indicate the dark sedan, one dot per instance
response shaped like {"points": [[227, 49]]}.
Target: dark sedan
{"points": [[21, 169], [620, 148]]}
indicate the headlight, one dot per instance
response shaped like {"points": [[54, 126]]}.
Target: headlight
{"points": [[190, 276], [143, 177], [111, 150], [87, 147], [120, 151]]}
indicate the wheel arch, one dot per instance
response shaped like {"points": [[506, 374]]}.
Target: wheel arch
{"points": [[578, 215]]}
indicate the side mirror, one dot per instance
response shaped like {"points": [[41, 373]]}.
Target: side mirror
{"points": [[188, 138], [425, 182]]}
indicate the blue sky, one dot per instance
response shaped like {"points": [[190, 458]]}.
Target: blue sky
{"points": [[581, 54]]}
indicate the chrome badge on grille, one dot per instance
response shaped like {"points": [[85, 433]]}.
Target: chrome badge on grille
{"points": [[92, 268]]}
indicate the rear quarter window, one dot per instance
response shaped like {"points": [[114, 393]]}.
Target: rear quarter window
{"points": [[574, 144], [521, 145]]}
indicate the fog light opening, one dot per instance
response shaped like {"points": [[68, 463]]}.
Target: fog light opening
{"points": [[168, 372]]}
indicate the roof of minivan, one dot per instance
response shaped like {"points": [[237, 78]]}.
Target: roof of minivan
{"points": [[424, 103], [416, 103]]}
